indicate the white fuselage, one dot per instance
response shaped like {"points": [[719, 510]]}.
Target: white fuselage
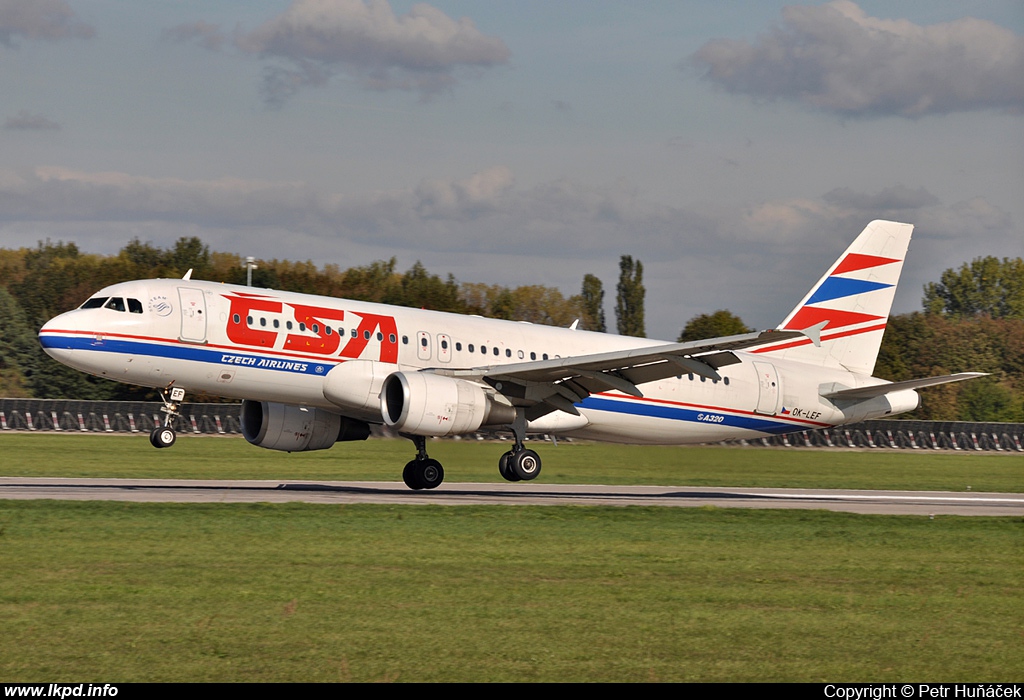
{"points": [[266, 345]]}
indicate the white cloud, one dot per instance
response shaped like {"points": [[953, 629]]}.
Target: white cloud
{"points": [[836, 58], [421, 50], [40, 19]]}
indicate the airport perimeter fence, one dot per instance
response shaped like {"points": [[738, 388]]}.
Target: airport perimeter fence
{"points": [[58, 415]]}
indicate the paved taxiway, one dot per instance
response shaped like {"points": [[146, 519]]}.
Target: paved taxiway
{"points": [[200, 491]]}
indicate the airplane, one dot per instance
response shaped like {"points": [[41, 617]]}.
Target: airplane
{"points": [[312, 371]]}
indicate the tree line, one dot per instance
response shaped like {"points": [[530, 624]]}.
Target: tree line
{"points": [[971, 319]]}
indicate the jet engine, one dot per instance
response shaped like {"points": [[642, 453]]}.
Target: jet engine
{"points": [[355, 386], [423, 403], [278, 426]]}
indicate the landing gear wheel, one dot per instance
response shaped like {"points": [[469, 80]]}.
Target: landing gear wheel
{"points": [[525, 464], [431, 473], [505, 467], [163, 437], [410, 475], [423, 474]]}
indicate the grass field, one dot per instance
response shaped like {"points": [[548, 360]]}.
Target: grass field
{"points": [[194, 457], [116, 592], [130, 592]]}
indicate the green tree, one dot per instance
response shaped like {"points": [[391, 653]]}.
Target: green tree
{"points": [[17, 347], [629, 304], [984, 286], [190, 253], [377, 282], [920, 345], [422, 290], [719, 324], [592, 302]]}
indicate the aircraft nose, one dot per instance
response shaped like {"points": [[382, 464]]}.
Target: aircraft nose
{"points": [[57, 336]]}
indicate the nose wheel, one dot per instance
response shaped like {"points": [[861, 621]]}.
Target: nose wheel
{"points": [[164, 436]]}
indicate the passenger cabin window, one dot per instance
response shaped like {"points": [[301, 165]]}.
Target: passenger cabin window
{"points": [[94, 303]]}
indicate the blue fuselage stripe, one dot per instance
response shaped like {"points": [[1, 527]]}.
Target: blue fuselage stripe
{"points": [[186, 352], [707, 417]]}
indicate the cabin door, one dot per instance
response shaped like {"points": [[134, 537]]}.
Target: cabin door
{"points": [[768, 388], [193, 315]]}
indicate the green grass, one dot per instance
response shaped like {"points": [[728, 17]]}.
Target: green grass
{"points": [[382, 460], [117, 592]]}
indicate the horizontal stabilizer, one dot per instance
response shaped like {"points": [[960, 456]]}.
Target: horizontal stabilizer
{"points": [[868, 392]]}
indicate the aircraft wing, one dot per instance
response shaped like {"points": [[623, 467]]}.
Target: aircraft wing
{"points": [[868, 392], [548, 385]]}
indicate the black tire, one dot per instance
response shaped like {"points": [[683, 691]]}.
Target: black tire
{"points": [[163, 437], [505, 467], [431, 473], [525, 465], [411, 475]]}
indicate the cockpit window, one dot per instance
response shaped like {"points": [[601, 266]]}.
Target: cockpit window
{"points": [[135, 306], [94, 303], [115, 303]]}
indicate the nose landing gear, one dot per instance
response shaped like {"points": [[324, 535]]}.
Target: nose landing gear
{"points": [[164, 436]]}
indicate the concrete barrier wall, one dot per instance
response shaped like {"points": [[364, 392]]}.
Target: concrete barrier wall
{"points": [[51, 415]]}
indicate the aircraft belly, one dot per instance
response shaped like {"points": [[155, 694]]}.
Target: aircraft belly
{"points": [[664, 422]]}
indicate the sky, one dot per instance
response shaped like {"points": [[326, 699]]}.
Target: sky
{"points": [[735, 149]]}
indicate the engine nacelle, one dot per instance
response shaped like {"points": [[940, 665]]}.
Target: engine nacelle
{"points": [[278, 426], [355, 385], [422, 403]]}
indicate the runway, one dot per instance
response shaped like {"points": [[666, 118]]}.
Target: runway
{"points": [[454, 494]]}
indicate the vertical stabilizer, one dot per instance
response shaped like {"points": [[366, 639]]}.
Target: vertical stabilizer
{"points": [[852, 300]]}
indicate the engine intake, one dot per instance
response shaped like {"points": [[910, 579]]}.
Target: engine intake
{"points": [[423, 403], [278, 426]]}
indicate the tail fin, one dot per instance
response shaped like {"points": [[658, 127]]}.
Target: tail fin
{"points": [[851, 302]]}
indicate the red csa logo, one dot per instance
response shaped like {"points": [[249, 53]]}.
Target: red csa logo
{"points": [[325, 339]]}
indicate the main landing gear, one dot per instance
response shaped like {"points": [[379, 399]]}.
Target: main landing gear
{"points": [[519, 463], [423, 472], [164, 436]]}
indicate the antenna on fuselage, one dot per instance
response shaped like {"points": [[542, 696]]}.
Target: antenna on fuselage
{"points": [[187, 275]]}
